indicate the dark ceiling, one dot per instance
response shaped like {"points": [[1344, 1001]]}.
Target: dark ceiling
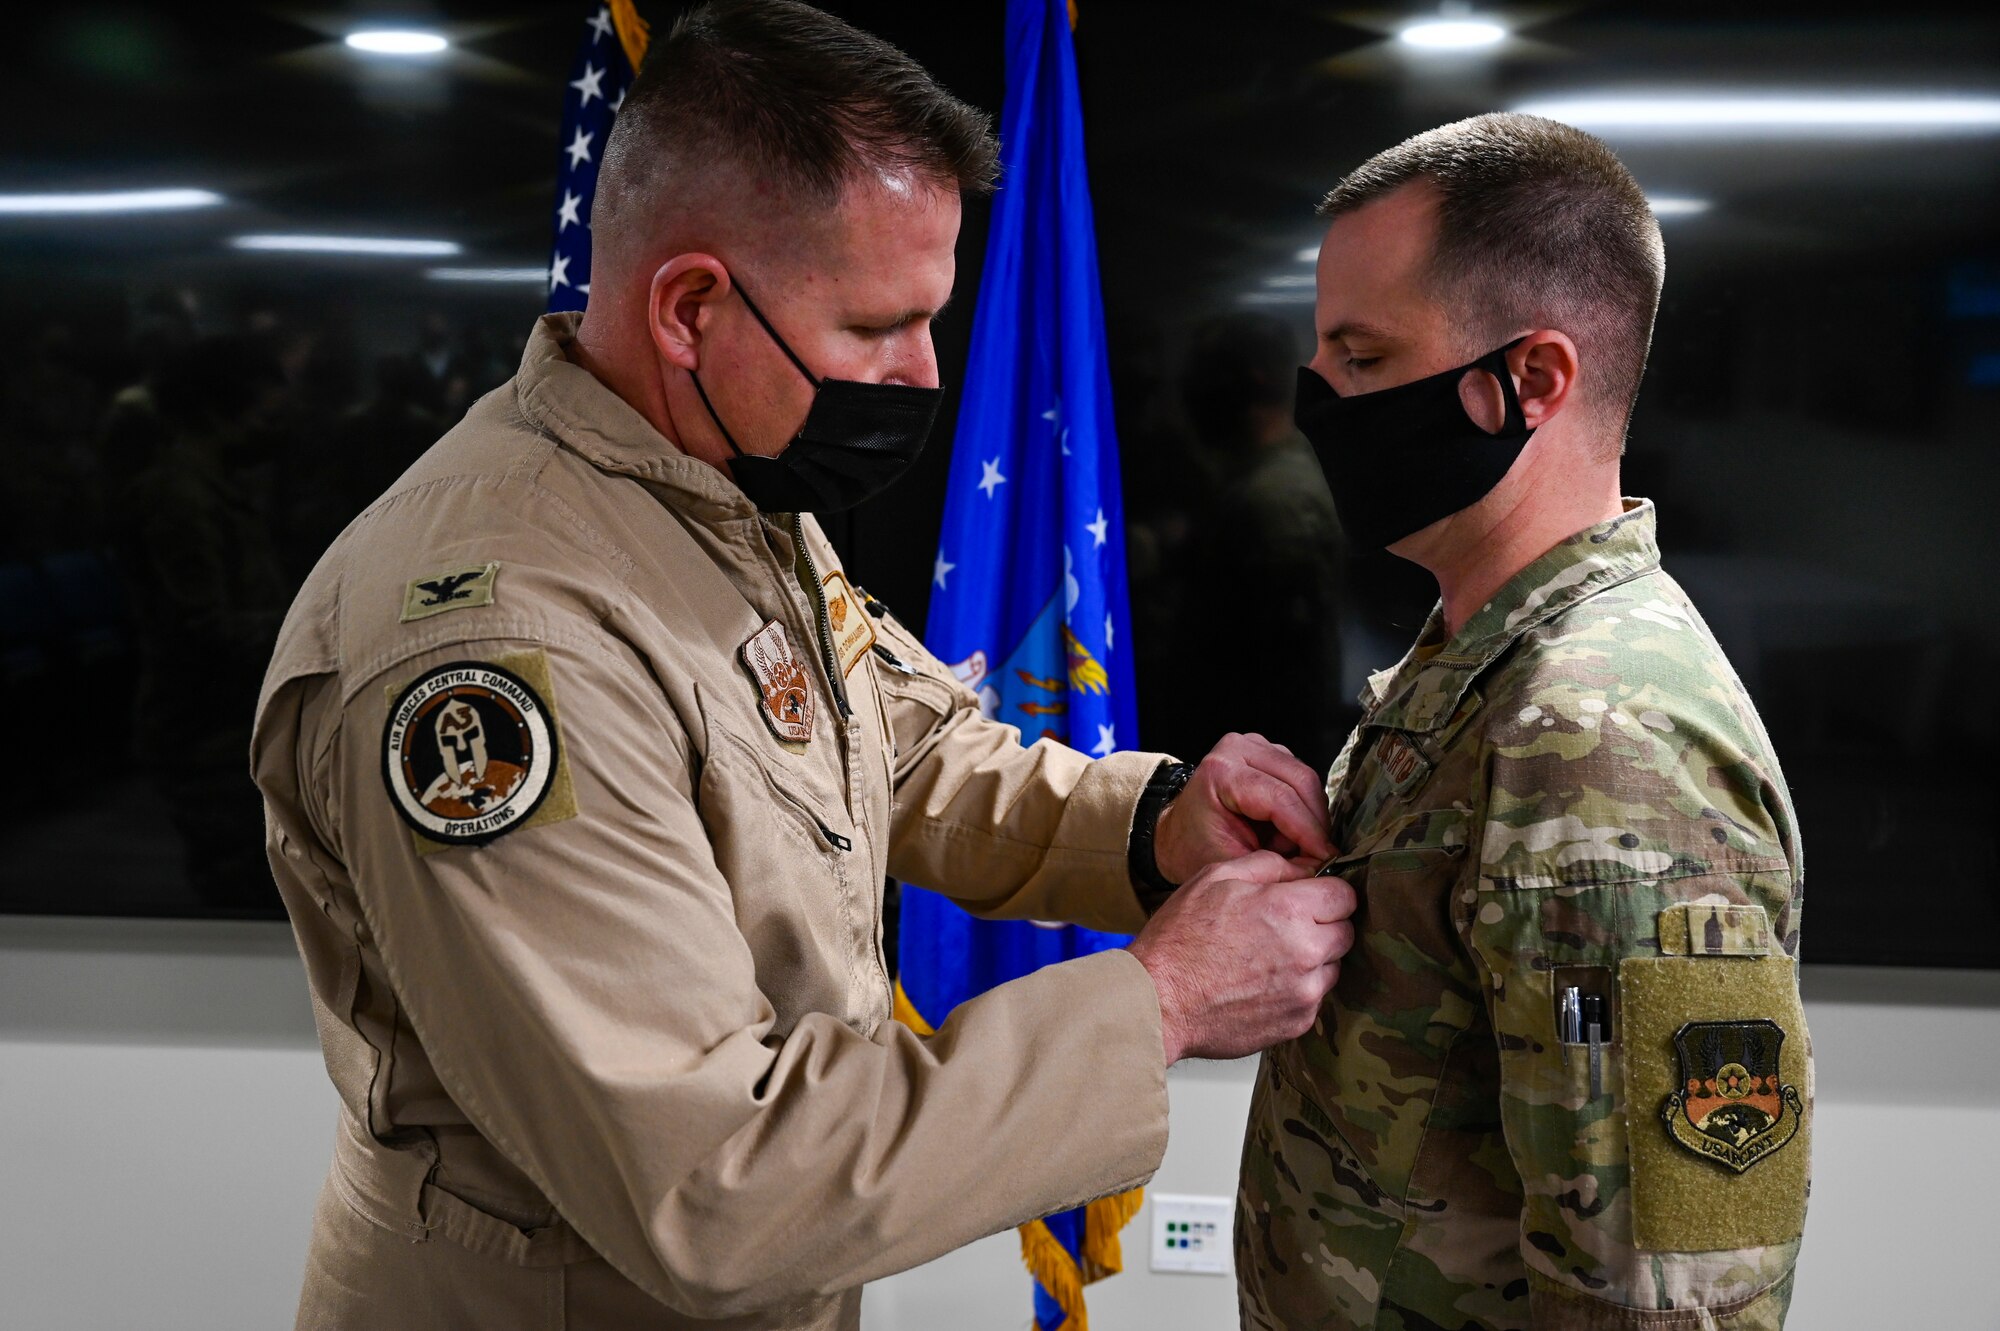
{"points": [[1212, 129]]}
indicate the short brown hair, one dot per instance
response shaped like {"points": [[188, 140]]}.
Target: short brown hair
{"points": [[1539, 224], [794, 96]]}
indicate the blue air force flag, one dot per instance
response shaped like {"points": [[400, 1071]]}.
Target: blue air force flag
{"points": [[607, 59], [1028, 600]]}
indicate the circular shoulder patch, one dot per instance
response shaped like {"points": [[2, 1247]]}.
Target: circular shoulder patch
{"points": [[468, 752]]}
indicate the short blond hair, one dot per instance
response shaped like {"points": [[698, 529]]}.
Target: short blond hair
{"points": [[1539, 225]]}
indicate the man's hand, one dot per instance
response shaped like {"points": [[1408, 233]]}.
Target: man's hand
{"points": [[1248, 794], [1242, 955]]}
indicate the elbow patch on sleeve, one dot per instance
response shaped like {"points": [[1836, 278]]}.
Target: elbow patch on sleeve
{"points": [[1719, 1110]]}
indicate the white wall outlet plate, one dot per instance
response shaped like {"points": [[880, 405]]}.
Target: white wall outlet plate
{"points": [[1191, 1233]]}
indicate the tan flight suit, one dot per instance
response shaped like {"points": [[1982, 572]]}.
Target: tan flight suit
{"points": [[629, 1063]]}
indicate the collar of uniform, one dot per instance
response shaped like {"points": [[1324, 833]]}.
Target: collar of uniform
{"points": [[1424, 690], [577, 407]]}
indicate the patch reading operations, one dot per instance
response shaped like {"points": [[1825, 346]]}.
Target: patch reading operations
{"points": [[468, 752]]}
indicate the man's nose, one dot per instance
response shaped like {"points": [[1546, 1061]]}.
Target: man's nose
{"points": [[917, 364]]}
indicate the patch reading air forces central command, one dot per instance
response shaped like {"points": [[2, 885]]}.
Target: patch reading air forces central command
{"points": [[1731, 1107], [468, 752]]}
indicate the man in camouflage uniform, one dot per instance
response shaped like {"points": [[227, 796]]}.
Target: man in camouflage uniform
{"points": [[1564, 1080]]}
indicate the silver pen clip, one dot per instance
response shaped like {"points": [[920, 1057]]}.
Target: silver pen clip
{"points": [[1593, 1034]]}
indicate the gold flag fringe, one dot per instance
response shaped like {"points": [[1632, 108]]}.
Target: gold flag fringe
{"points": [[1041, 1252], [1057, 1272], [633, 34]]}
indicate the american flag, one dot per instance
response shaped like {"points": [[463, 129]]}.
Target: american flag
{"points": [[614, 42]]}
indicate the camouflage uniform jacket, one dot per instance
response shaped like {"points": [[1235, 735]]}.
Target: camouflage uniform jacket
{"points": [[1572, 791]]}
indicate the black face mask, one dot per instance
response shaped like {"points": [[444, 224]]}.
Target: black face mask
{"points": [[1400, 459], [856, 440]]}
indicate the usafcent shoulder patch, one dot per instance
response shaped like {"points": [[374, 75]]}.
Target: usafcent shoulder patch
{"points": [[471, 751]]}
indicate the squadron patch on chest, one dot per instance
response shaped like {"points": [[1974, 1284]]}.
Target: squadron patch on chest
{"points": [[469, 752], [853, 628], [781, 678]]}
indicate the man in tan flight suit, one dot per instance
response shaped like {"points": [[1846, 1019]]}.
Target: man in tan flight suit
{"points": [[611, 1029]]}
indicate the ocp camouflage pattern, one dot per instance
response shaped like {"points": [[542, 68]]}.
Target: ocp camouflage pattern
{"points": [[1521, 801]]}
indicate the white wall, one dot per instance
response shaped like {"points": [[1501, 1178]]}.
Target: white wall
{"points": [[165, 1122]]}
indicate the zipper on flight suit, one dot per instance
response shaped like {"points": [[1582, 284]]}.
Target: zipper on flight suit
{"points": [[816, 596]]}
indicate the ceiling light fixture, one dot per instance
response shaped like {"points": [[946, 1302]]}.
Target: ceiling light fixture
{"points": [[1290, 297], [390, 245], [389, 41], [107, 201], [536, 276], [1668, 206], [1852, 115], [1451, 34]]}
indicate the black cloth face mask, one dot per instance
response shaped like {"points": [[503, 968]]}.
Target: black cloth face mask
{"points": [[1399, 459], [857, 439]]}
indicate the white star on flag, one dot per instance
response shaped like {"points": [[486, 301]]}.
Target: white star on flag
{"points": [[1108, 635], [1107, 741], [567, 214], [592, 83], [601, 25], [1063, 432], [559, 272], [990, 478], [942, 567], [1099, 527], [579, 149]]}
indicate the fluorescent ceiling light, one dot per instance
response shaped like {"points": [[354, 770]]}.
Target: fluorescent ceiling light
{"points": [[1310, 254], [1831, 115], [1296, 297], [396, 42], [1290, 280], [538, 276], [1667, 206], [348, 245], [108, 201], [1452, 34]]}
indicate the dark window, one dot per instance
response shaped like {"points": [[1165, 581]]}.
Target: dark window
{"points": [[186, 423]]}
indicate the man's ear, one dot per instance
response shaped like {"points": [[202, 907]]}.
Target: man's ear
{"points": [[680, 305], [1544, 366]]}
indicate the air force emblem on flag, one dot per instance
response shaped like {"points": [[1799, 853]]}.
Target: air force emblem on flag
{"points": [[1028, 593]]}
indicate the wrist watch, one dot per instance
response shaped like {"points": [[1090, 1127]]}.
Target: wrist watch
{"points": [[1168, 780]]}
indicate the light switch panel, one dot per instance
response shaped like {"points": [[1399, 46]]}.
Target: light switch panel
{"points": [[1191, 1233]]}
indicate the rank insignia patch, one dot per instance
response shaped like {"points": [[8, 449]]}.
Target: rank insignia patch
{"points": [[469, 752], [782, 681], [853, 629], [1731, 1107], [453, 589]]}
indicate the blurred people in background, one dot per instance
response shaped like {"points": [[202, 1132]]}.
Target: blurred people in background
{"points": [[1263, 645], [354, 455], [186, 456]]}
